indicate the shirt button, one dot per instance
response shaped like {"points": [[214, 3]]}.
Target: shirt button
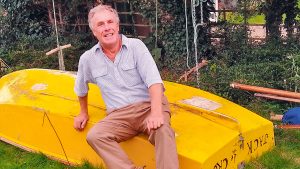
{"points": [[117, 75]]}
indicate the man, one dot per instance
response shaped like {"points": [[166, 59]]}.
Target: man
{"points": [[132, 90]]}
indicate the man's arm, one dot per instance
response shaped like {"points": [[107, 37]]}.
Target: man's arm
{"points": [[155, 118], [81, 89], [81, 120]]}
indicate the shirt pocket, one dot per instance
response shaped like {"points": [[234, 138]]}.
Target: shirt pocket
{"points": [[130, 74], [101, 78]]}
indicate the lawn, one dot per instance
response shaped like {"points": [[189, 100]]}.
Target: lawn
{"points": [[286, 154], [237, 18], [14, 158]]}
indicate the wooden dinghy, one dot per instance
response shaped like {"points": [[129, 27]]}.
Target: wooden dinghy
{"points": [[37, 108]]}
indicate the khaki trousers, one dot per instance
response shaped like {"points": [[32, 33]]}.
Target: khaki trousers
{"points": [[125, 123]]}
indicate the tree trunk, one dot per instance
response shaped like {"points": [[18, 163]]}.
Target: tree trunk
{"points": [[50, 14], [61, 21]]}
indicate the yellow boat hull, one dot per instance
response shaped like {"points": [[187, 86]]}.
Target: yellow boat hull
{"points": [[38, 106]]}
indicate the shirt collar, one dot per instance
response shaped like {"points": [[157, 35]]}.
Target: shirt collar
{"points": [[125, 43]]}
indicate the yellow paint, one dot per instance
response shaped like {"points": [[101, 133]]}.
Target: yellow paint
{"points": [[37, 108]]}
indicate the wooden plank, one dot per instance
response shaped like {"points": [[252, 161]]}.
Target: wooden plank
{"points": [[276, 92], [58, 48]]}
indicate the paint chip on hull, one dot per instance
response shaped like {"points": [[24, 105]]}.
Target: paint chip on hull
{"points": [[39, 86], [202, 103]]}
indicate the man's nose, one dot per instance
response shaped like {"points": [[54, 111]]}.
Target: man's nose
{"points": [[106, 26]]}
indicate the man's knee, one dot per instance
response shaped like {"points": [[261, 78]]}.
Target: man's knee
{"points": [[94, 136], [98, 136], [91, 137]]}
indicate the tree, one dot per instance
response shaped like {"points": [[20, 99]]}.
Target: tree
{"points": [[290, 9], [274, 11]]}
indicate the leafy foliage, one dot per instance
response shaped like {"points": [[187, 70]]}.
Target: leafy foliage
{"points": [[27, 33], [171, 28], [23, 18], [30, 53]]}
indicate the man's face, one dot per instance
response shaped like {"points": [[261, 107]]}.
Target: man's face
{"points": [[105, 28]]}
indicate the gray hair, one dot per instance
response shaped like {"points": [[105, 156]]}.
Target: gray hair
{"points": [[101, 8]]}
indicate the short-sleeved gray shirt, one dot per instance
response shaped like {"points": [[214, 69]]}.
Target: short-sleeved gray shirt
{"points": [[122, 82]]}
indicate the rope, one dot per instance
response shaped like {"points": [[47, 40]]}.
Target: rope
{"points": [[195, 26], [201, 11], [46, 115], [193, 7]]}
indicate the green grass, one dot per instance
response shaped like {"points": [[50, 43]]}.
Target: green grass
{"points": [[286, 154], [237, 18], [258, 19], [14, 158]]}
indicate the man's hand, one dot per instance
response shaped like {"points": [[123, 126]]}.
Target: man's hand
{"points": [[154, 121], [80, 121]]}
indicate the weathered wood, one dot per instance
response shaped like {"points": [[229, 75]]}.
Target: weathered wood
{"points": [[58, 48], [194, 69], [276, 117]]}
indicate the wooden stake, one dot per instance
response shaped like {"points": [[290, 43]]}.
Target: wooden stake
{"points": [[60, 55], [57, 49]]}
